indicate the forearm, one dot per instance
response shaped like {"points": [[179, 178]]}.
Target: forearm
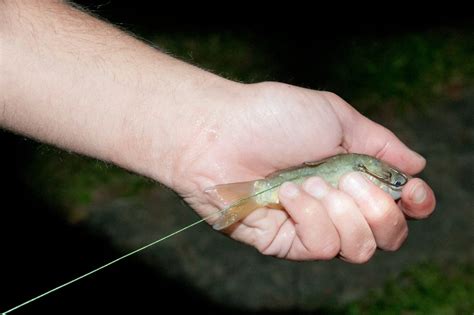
{"points": [[76, 82]]}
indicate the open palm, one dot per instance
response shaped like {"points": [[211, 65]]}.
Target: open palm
{"points": [[282, 126]]}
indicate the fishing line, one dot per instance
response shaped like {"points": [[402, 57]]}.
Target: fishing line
{"points": [[135, 251], [112, 262]]}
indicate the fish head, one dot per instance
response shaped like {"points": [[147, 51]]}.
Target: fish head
{"points": [[387, 177]]}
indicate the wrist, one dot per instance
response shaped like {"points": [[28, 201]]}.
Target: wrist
{"points": [[163, 136]]}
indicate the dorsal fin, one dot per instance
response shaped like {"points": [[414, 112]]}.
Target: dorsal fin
{"points": [[319, 162], [309, 163], [314, 163]]}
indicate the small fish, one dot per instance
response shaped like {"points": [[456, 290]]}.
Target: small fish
{"points": [[240, 199]]}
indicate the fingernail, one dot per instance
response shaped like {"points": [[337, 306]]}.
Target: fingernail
{"points": [[289, 190], [418, 194], [316, 187], [356, 183]]}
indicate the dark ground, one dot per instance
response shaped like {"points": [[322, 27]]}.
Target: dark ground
{"points": [[50, 238]]}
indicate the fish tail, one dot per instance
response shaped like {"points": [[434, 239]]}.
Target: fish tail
{"points": [[237, 199], [236, 213]]}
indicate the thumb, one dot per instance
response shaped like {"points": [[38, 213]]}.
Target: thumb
{"points": [[362, 135]]}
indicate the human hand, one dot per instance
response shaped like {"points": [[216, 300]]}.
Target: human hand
{"points": [[279, 126]]}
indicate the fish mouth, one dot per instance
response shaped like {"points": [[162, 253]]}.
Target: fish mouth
{"points": [[384, 179], [394, 192]]}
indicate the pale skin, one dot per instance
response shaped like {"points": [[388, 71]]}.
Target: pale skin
{"points": [[73, 81]]}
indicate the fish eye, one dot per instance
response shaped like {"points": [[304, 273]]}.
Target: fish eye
{"points": [[398, 180]]}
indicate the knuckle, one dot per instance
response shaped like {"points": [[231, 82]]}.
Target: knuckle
{"points": [[329, 250], [331, 95], [338, 203], [310, 210], [399, 241], [366, 252], [381, 211], [336, 197]]}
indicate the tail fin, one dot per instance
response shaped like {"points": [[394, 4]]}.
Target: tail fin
{"points": [[237, 199]]}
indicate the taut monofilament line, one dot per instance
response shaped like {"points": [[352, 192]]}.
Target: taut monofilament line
{"points": [[128, 255]]}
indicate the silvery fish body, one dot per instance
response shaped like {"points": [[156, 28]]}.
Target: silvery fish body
{"points": [[240, 199]]}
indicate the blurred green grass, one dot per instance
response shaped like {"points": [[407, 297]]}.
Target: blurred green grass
{"points": [[70, 182], [411, 71], [225, 54], [427, 288], [407, 72]]}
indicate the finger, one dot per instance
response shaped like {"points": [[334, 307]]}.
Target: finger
{"points": [[317, 237], [357, 241], [361, 135], [385, 219], [418, 200]]}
